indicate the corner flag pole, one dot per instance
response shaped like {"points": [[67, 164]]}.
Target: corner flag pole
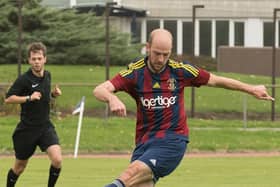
{"points": [[80, 109]]}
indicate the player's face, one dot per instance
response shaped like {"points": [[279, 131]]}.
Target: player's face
{"points": [[37, 61], [159, 52]]}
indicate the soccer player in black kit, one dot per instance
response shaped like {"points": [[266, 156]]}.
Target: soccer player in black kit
{"points": [[32, 91]]}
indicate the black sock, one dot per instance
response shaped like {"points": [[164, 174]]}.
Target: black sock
{"points": [[11, 178], [116, 183], [53, 175]]}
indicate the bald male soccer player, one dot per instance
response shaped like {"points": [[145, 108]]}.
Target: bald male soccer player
{"points": [[157, 84]]}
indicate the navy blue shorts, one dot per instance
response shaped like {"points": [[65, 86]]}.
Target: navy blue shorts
{"points": [[161, 155]]}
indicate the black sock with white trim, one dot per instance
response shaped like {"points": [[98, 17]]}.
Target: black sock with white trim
{"points": [[11, 178], [53, 176]]}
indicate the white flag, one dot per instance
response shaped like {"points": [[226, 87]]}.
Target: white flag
{"points": [[79, 106], [79, 109]]}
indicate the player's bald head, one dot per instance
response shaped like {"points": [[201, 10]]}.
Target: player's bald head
{"points": [[161, 35]]}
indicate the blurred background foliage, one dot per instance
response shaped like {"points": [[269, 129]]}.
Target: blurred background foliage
{"points": [[71, 37]]}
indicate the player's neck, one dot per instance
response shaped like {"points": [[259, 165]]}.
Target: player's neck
{"points": [[152, 69], [38, 73]]}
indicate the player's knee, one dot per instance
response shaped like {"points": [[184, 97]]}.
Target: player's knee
{"points": [[134, 169], [57, 162], [136, 173]]}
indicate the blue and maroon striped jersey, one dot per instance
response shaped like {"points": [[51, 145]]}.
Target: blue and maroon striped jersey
{"points": [[159, 97]]}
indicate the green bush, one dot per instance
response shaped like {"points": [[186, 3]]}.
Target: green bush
{"points": [[71, 37]]}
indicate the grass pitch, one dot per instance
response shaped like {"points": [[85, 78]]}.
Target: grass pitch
{"points": [[194, 172]]}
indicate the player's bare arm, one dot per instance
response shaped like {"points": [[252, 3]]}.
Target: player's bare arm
{"points": [[104, 92], [259, 91], [14, 99]]}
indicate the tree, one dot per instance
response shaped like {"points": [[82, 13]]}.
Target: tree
{"points": [[71, 38]]}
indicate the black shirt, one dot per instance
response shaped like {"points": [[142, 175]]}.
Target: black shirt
{"points": [[33, 113]]}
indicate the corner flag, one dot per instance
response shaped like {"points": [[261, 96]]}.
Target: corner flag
{"points": [[79, 106], [79, 109]]}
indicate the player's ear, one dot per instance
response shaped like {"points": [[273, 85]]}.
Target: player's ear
{"points": [[148, 47]]}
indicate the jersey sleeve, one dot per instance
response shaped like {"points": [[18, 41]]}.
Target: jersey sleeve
{"points": [[17, 88], [194, 76], [48, 77], [121, 83], [125, 79], [201, 79]]}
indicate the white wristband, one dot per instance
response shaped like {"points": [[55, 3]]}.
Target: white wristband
{"points": [[28, 98]]}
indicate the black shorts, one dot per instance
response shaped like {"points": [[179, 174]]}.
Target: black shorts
{"points": [[26, 139]]}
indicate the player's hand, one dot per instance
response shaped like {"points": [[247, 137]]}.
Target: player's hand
{"points": [[117, 107], [35, 96], [56, 91], [260, 92]]}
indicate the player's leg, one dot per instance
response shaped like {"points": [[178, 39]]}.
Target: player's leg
{"points": [[54, 153], [24, 147], [49, 142], [15, 172], [146, 184], [138, 174], [152, 160]]}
